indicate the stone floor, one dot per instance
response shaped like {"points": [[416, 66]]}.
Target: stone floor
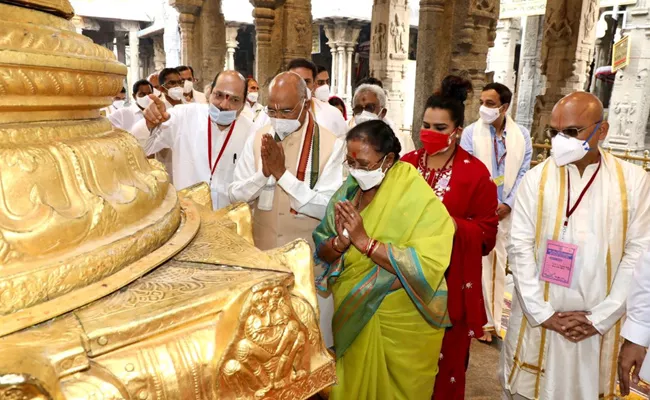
{"points": [[482, 381]]}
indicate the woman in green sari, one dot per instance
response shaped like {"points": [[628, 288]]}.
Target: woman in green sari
{"points": [[385, 243]]}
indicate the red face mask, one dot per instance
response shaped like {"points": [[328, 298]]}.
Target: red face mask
{"points": [[435, 142]]}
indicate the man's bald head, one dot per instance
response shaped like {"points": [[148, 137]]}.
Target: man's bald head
{"points": [[288, 91], [583, 111]]}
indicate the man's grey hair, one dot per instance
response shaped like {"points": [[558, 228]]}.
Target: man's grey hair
{"points": [[302, 85], [365, 88]]}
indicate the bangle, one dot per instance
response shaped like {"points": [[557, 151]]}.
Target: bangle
{"points": [[334, 245], [374, 248], [371, 243]]}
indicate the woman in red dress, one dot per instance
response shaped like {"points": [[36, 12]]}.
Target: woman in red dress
{"points": [[463, 184]]}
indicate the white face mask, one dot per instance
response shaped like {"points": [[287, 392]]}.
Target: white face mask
{"points": [[253, 96], [566, 150], [118, 103], [322, 93], [365, 116], [285, 127], [488, 115], [188, 86], [175, 93], [369, 179], [221, 117], [143, 102]]}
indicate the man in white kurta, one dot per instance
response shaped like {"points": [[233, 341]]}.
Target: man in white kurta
{"points": [[506, 150], [126, 117], [572, 266], [191, 95], [253, 109], [205, 145], [289, 171], [636, 330]]}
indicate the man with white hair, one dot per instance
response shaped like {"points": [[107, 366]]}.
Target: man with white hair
{"points": [[369, 103], [206, 139], [290, 168]]}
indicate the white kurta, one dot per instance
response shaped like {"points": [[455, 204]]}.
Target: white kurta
{"points": [[571, 370], [253, 112], [125, 118], [186, 134], [327, 116], [405, 139], [637, 325]]}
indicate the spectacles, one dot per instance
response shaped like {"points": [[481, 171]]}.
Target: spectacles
{"points": [[173, 84], [368, 107], [284, 113], [353, 164], [221, 96], [570, 132]]}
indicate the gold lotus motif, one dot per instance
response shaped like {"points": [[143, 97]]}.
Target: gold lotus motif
{"points": [[112, 284]]}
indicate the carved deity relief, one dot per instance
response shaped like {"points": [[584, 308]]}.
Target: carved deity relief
{"points": [[269, 353], [379, 43], [397, 31], [625, 112]]}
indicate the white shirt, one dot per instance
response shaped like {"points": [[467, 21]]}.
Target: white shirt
{"points": [[637, 325], [326, 115], [126, 117], [249, 181], [253, 112], [186, 134]]}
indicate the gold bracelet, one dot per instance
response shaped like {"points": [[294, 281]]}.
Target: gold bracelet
{"points": [[335, 245]]}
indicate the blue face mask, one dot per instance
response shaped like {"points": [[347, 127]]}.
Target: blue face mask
{"points": [[223, 118]]}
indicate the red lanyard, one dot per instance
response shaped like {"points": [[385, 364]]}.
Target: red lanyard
{"points": [[496, 152], [214, 167], [570, 210]]}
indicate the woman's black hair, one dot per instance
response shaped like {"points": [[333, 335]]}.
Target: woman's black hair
{"points": [[451, 97], [379, 135]]}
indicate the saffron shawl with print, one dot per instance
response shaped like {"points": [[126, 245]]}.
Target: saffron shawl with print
{"points": [[418, 231]]}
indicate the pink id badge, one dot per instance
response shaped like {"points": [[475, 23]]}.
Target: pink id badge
{"points": [[559, 263]]}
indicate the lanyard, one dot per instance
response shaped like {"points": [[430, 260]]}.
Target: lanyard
{"points": [[569, 209], [225, 143], [496, 152]]}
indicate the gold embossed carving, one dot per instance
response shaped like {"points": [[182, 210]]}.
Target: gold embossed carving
{"points": [[59, 7]]}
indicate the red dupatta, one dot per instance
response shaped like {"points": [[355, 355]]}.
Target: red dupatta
{"points": [[472, 202]]}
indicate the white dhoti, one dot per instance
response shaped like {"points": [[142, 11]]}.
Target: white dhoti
{"points": [[494, 278]]}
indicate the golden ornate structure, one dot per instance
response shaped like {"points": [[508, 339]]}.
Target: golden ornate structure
{"points": [[112, 284]]}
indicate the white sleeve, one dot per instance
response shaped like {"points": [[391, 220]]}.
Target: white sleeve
{"points": [[161, 137], [116, 119], [248, 182], [313, 202], [610, 310], [637, 325], [521, 252]]}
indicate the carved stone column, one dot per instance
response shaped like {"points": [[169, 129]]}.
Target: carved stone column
{"points": [[603, 58], [186, 23], [567, 50], [296, 18], [629, 107], [134, 55], [531, 80], [474, 33], [342, 35], [388, 54], [501, 57], [211, 42], [231, 45], [159, 55], [120, 45], [434, 29], [171, 36]]}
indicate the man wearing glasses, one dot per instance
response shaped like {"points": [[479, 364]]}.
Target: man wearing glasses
{"points": [[580, 224], [290, 169], [191, 95], [206, 139]]}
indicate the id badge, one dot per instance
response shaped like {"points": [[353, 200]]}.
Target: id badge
{"points": [[559, 263], [499, 180]]}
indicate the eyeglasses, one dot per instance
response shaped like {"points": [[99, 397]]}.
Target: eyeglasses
{"points": [[221, 96], [368, 107], [570, 132], [173, 84], [284, 113], [353, 164]]}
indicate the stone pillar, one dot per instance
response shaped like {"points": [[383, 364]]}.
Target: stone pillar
{"points": [[120, 46], [78, 23], [604, 58], [474, 32], [567, 50], [342, 35], [531, 80], [186, 23], [231, 45], [283, 32], [134, 54], [349, 50], [388, 54], [434, 29], [334, 77], [171, 36], [630, 106], [159, 55], [342, 70], [502, 56]]}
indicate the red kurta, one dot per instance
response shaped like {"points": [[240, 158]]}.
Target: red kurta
{"points": [[471, 199]]}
